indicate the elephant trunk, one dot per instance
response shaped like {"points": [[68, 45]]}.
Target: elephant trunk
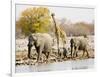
{"points": [[29, 49], [30, 44], [71, 46]]}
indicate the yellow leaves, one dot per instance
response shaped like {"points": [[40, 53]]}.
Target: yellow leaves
{"points": [[35, 12], [36, 19]]}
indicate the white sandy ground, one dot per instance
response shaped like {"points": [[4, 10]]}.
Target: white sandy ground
{"points": [[58, 66]]}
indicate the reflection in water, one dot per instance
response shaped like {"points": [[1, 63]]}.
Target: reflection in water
{"points": [[66, 65]]}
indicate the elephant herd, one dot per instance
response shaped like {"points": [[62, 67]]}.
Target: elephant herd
{"points": [[43, 43]]}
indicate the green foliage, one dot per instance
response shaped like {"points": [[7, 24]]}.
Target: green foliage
{"points": [[36, 19]]}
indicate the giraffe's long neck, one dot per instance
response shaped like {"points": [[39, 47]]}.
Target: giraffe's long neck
{"points": [[56, 33]]}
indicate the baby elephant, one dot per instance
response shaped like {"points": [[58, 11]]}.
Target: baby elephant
{"points": [[77, 44], [42, 43], [63, 53]]}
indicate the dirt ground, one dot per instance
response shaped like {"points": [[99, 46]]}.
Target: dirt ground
{"points": [[22, 59]]}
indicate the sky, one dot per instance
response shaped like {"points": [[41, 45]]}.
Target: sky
{"points": [[73, 14]]}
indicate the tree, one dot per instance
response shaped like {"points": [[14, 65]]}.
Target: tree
{"points": [[36, 19]]}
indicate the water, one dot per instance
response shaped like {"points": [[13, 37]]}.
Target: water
{"points": [[66, 65]]}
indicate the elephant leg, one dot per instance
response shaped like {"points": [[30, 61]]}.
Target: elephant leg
{"points": [[65, 55], [75, 54], [39, 54], [38, 58], [76, 51], [47, 56], [59, 54], [71, 52], [87, 53], [83, 53]]}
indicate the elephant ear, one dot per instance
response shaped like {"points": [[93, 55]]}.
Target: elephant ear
{"points": [[34, 37], [38, 42], [30, 38]]}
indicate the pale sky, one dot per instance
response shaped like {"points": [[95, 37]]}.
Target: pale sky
{"points": [[70, 13]]}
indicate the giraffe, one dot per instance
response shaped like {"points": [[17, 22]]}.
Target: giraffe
{"points": [[59, 33], [62, 35]]}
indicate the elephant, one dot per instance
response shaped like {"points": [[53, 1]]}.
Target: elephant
{"points": [[43, 44], [77, 44], [62, 53]]}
